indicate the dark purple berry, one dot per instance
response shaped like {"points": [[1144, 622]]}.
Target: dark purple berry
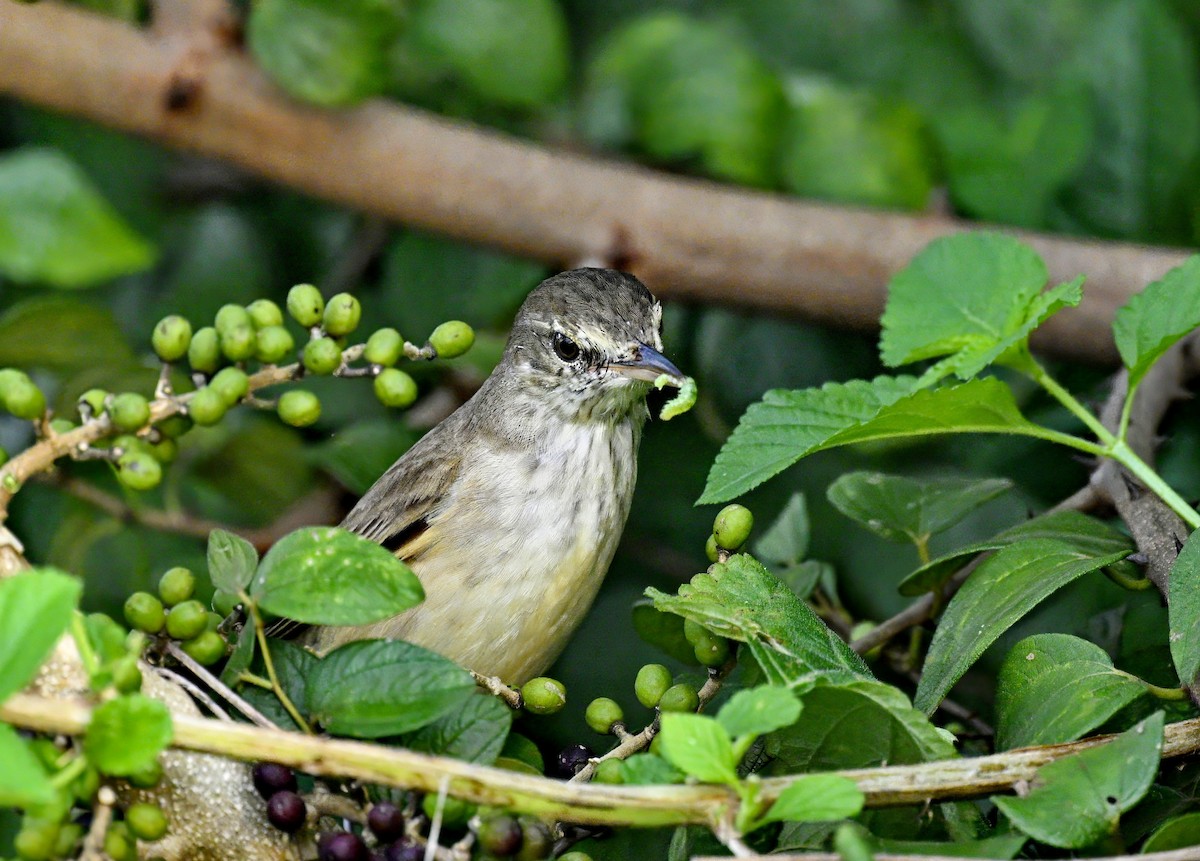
{"points": [[270, 777], [285, 810], [406, 849], [386, 821], [573, 758], [341, 846], [500, 835]]}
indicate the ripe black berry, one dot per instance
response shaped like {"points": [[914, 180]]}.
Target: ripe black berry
{"points": [[573, 758], [270, 777], [285, 810], [341, 846], [386, 821], [405, 849]]}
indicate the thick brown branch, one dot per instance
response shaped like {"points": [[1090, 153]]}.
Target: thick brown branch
{"points": [[690, 239]]}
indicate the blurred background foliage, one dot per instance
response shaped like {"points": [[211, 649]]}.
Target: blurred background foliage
{"points": [[1073, 116]]}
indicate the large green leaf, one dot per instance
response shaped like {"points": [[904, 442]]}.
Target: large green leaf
{"points": [[1054, 688], [757, 711], [35, 609], [63, 334], [23, 781], [56, 229], [127, 734], [816, 798], [742, 600], [1153, 320], [699, 747], [328, 576], [1077, 801], [1183, 609], [998, 593], [474, 733]]}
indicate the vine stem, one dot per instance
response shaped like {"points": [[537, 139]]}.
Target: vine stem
{"points": [[261, 635]]}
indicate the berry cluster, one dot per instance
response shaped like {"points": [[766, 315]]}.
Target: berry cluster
{"points": [[174, 612]]}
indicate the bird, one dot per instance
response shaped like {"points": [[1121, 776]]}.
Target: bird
{"points": [[510, 510]]}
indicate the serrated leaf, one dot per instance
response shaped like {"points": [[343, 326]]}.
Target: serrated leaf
{"points": [[374, 688], [23, 781], [1055, 688], [56, 229], [757, 711], [1085, 533], [63, 334], [329, 576], [998, 593], [232, 561], [902, 509], [785, 541], [816, 798], [742, 600], [647, 769], [1177, 833], [1157, 317], [35, 609], [664, 630], [699, 747], [1077, 801], [476, 732], [1183, 611], [127, 734]]}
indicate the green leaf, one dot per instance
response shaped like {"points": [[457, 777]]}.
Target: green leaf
{"points": [[375, 688], [903, 509], [127, 734], [63, 334], [664, 630], [1177, 833], [1077, 801], [647, 769], [35, 609], [1055, 688], [328, 576], [294, 665], [996, 846], [1152, 321], [327, 52], [23, 781], [241, 656], [1183, 611], [56, 229], [699, 747], [785, 541], [1086, 534], [232, 561], [742, 600], [476, 732], [998, 593], [757, 711], [816, 798]]}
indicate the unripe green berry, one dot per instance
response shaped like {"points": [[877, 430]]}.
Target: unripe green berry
{"points": [[187, 620], [679, 698], [651, 683], [118, 843], [384, 347], [238, 343], [127, 677], [176, 585], [214, 621], [712, 651], [62, 425], [129, 411], [91, 402], [231, 384], [165, 450], [174, 426], [394, 388], [602, 713], [232, 317], [732, 526], [207, 648], [710, 548], [206, 406], [299, 408], [144, 612], [36, 840], [455, 812], [146, 821], [451, 339], [23, 398], [147, 777], [204, 352], [139, 471], [274, 343], [264, 313], [69, 836], [225, 602], [305, 304], [127, 443], [536, 840], [543, 695], [342, 314], [694, 632], [608, 771], [171, 338], [322, 356], [575, 855]]}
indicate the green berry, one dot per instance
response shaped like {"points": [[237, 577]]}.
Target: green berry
{"points": [[36, 839], [91, 402], [394, 388], [455, 812], [23, 398], [712, 651], [214, 621], [118, 843], [608, 771], [543, 695], [232, 317], [536, 840], [225, 602], [173, 427], [679, 698], [732, 526], [602, 713], [231, 384], [238, 343], [147, 777], [206, 406], [322, 356], [144, 612], [129, 411], [187, 620], [69, 836], [207, 648], [165, 450], [62, 425], [274, 343], [139, 471], [384, 347], [694, 632], [264, 313], [146, 821], [342, 314], [176, 585], [451, 339], [204, 353], [127, 677], [85, 787], [299, 408], [305, 304], [171, 338], [710, 548], [499, 836], [651, 683], [575, 855]]}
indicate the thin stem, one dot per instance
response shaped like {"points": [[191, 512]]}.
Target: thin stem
{"points": [[1166, 694], [260, 633], [254, 679], [1068, 400], [215, 684], [1126, 411], [91, 664], [1127, 457], [1133, 584], [69, 772]]}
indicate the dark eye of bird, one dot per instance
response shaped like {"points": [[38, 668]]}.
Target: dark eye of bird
{"points": [[564, 347]]}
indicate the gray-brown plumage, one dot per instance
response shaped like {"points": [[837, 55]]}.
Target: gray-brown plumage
{"points": [[510, 510]]}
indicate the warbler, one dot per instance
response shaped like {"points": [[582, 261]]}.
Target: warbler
{"points": [[510, 510]]}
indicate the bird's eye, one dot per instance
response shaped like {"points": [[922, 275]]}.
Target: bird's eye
{"points": [[564, 347]]}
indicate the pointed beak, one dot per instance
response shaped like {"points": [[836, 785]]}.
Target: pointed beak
{"points": [[648, 365]]}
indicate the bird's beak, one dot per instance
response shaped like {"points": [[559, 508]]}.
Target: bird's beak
{"points": [[648, 365]]}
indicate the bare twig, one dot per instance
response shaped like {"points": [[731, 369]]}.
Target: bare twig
{"points": [[252, 714], [494, 686], [197, 692], [93, 843]]}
